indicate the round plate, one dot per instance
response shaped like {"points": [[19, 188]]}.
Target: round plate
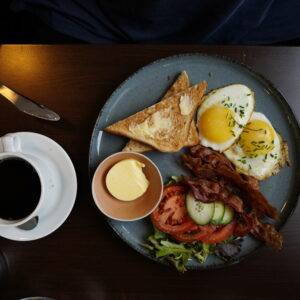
{"points": [[148, 85], [62, 198]]}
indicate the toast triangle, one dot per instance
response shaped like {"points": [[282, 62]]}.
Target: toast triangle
{"points": [[165, 125], [180, 84]]}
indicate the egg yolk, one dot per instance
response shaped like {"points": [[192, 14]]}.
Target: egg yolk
{"points": [[216, 124], [257, 138]]}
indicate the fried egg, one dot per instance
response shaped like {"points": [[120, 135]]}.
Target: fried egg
{"points": [[259, 151], [223, 114]]}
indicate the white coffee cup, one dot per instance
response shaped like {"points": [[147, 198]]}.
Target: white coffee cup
{"points": [[10, 147]]}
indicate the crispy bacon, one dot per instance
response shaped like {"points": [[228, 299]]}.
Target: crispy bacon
{"points": [[209, 157], [210, 191], [223, 169], [244, 225], [267, 233], [253, 196], [250, 223], [203, 157], [217, 179]]}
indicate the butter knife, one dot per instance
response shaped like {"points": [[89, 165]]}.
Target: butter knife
{"points": [[28, 106]]}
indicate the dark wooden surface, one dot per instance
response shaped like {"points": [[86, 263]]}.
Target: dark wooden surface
{"points": [[84, 259]]}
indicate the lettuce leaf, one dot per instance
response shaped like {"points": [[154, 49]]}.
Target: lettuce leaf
{"points": [[174, 179], [176, 253], [203, 254]]}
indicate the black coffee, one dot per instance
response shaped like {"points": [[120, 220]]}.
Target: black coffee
{"points": [[20, 189]]}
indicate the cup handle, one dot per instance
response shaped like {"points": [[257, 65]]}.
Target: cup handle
{"points": [[10, 143]]}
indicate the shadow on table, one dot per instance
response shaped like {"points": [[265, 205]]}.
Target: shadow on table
{"points": [[3, 270]]}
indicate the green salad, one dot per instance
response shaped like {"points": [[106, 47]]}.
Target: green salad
{"points": [[186, 229]]}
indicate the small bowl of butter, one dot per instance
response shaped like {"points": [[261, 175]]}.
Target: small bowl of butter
{"points": [[127, 186]]}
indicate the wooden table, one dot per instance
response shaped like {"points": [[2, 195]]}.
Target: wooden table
{"points": [[84, 259]]}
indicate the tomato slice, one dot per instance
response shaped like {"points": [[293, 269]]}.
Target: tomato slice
{"points": [[171, 215], [197, 235], [171, 190], [220, 235]]}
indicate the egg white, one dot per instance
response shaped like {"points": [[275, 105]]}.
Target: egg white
{"points": [[234, 97], [262, 166]]}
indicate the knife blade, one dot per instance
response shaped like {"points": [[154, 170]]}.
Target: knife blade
{"points": [[28, 106]]}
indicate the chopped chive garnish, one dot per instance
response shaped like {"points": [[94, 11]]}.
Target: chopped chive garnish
{"points": [[243, 161]]}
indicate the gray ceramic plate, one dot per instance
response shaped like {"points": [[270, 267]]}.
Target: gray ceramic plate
{"points": [[148, 84]]}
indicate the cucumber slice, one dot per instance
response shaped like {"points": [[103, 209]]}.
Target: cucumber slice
{"points": [[228, 215], [200, 212], [218, 213]]}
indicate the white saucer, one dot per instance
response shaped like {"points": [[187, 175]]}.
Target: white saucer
{"points": [[61, 201]]}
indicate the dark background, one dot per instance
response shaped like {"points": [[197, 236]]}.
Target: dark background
{"points": [[24, 27]]}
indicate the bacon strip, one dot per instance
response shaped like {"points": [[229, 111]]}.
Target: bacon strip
{"points": [[210, 191], [217, 179], [201, 156], [249, 223], [268, 234], [253, 196], [223, 169]]}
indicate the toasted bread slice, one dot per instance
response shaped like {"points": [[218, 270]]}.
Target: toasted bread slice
{"points": [[193, 137], [180, 84], [165, 125], [136, 146]]}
